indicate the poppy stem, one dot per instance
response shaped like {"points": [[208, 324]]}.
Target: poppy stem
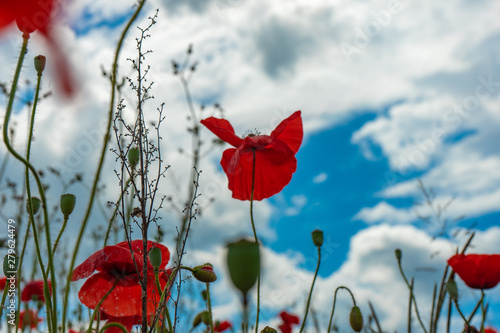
{"points": [[256, 239], [8, 113], [333, 307], [100, 303], [483, 310], [412, 296], [311, 291], [65, 221], [120, 327], [209, 306]]}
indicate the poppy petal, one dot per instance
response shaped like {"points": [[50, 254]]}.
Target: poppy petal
{"points": [[478, 271], [223, 129], [273, 171], [290, 131], [106, 259], [125, 299]]}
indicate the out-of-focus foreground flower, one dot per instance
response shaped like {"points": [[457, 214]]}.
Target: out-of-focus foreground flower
{"points": [[36, 15]]}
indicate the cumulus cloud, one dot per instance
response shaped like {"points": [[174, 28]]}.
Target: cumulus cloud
{"points": [[370, 271]]}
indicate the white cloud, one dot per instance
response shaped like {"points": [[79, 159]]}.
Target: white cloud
{"points": [[320, 178], [385, 213]]}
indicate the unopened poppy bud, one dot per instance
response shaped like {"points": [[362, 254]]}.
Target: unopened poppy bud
{"points": [[451, 287], [35, 205], [398, 253], [10, 263], [356, 319], [67, 204], [317, 237], [243, 261], [155, 257], [133, 156], [204, 273], [268, 329], [39, 63], [202, 317]]}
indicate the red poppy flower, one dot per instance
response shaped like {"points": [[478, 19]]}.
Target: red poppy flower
{"points": [[33, 290], [31, 15], [3, 282], [288, 321], [28, 318], [221, 326], [478, 271], [490, 330], [275, 160], [115, 264]]}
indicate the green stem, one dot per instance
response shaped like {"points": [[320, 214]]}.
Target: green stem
{"points": [[4, 296], [461, 314], [335, 300], [120, 326], [100, 303], [101, 160], [256, 239], [311, 291], [65, 221], [8, 113], [412, 296], [483, 310], [110, 222], [209, 306], [409, 307], [167, 313]]}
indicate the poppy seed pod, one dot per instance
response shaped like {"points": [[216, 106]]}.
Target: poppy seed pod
{"points": [[243, 261], [35, 203], [133, 156], [39, 63], [10, 263], [317, 237], [67, 204], [451, 287], [202, 317], [398, 254], [204, 273], [268, 329], [155, 257], [356, 319]]}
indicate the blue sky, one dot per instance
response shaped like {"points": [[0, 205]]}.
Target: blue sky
{"points": [[389, 95]]}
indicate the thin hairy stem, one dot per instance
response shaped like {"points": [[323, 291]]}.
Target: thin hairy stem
{"points": [[101, 160]]}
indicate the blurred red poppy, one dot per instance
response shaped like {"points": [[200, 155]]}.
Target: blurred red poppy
{"points": [[28, 318], [33, 290], [275, 160], [490, 330], [288, 321], [3, 282], [115, 264], [221, 326], [478, 271], [31, 15]]}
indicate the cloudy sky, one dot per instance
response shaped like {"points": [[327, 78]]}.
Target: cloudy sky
{"points": [[391, 93]]}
